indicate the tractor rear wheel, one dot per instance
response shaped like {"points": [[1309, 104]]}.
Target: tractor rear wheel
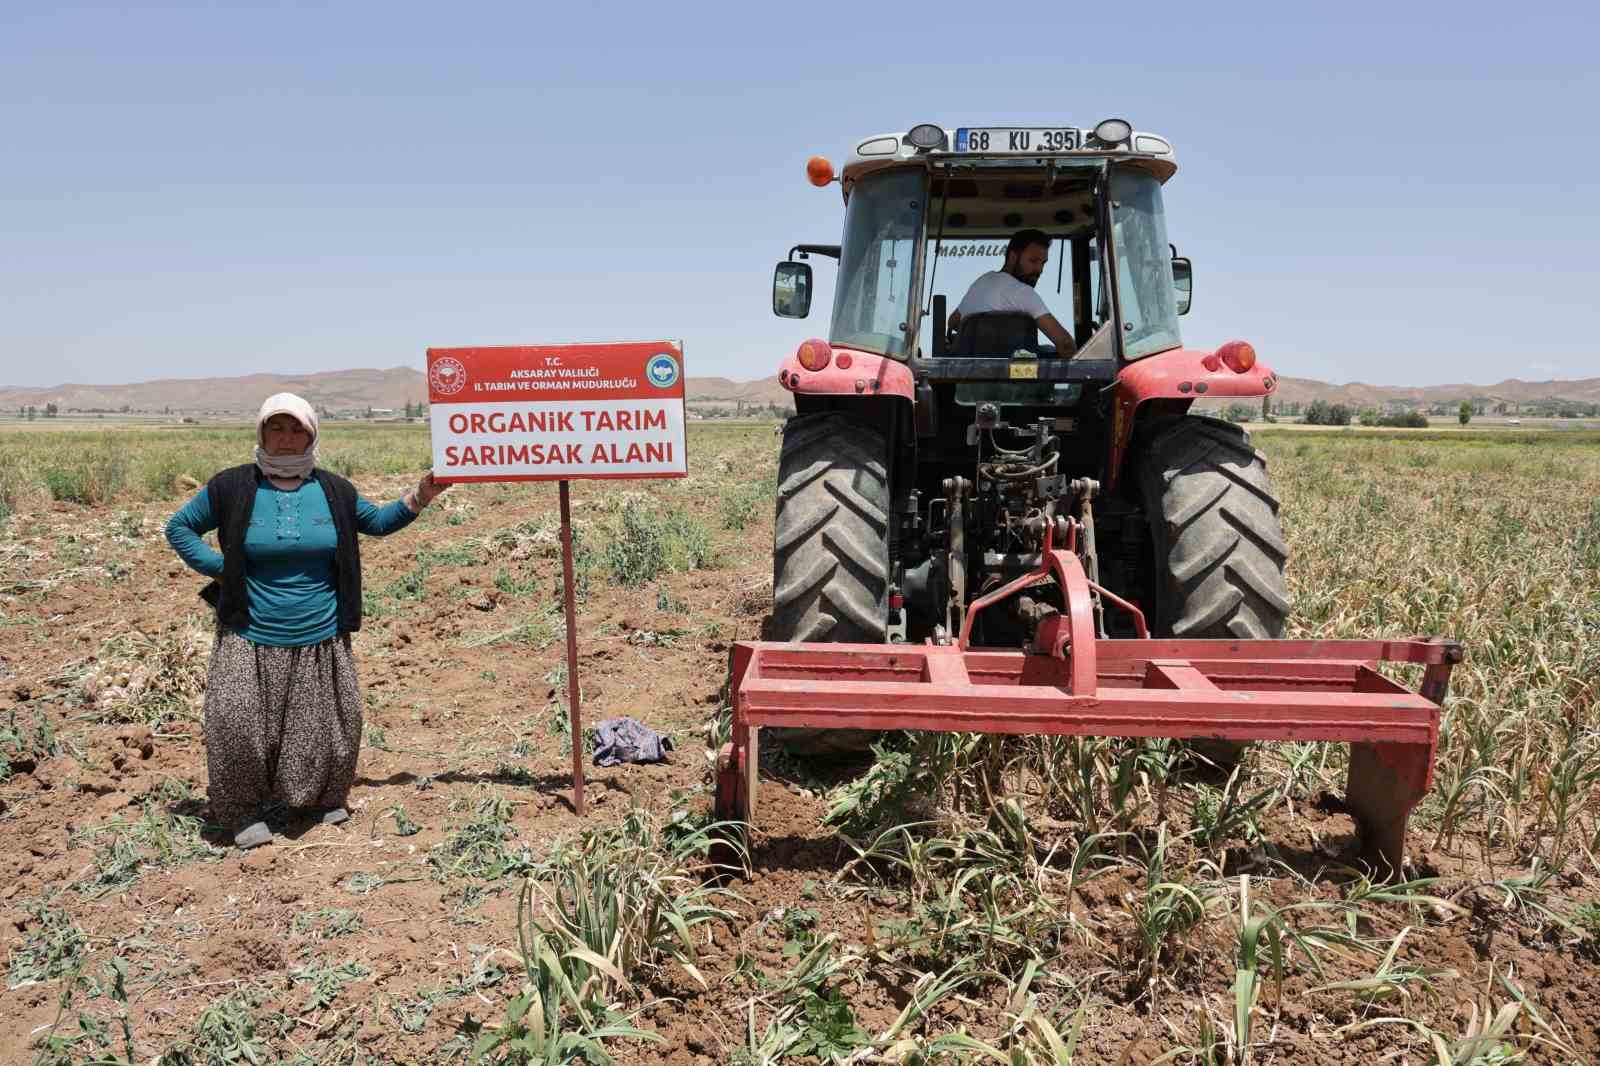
{"points": [[830, 552], [1219, 548]]}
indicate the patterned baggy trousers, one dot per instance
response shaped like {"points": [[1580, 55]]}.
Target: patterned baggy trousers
{"points": [[282, 724]]}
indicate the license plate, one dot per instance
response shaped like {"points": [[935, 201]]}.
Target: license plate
{"points": [[1025, 371], [1005, 141]]}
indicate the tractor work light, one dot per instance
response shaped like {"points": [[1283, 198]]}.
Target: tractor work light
{"points": [[814, 354], [819, 171], [1238, 356], [926, 136], [1113, 131]]}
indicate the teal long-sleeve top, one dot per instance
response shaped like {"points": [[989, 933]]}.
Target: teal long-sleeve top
{"points": [[288, 549]]}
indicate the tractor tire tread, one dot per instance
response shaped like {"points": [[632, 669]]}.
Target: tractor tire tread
{"points": [[830, 559], [1219, 540]]}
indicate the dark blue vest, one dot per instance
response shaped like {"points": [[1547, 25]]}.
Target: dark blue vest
{"points": [[233, 496]]}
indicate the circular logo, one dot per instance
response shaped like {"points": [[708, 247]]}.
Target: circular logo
{"points": [[447, 376], [662, 370]]}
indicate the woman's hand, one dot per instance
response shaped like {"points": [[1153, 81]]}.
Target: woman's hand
{"points": [[425, 491]]}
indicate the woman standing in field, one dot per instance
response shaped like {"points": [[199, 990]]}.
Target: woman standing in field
{"points": [[283, 709]]}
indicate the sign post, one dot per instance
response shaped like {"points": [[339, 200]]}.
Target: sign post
{"points": [[575, 728], [557, 413]]}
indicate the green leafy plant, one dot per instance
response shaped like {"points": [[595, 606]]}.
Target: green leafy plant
{"points": [[1164, 913], [52, 946], [647, 540], [403, 825], [58, 1048], [327, 981], [739, 506], [669, 604], [798, 927], [411, 585], [158, 838], [1587, 919], [1221, 815], [328, 922], [515, 585], [465, 899], [27, 745], [827, 1027], [512, 774], [481, 846], [655, 638]]}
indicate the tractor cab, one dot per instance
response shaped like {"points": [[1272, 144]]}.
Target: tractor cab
{"points": [[929, 211]]}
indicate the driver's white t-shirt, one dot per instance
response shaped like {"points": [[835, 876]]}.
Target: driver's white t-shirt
{"points": [[999, 292]]}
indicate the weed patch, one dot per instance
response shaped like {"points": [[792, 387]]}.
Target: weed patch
{"points": [[94, 477], [326, 981], [327, 923], [227, 1032], [646, 540], [481, 847], [53, 946], [25, 745], [158, 838]]}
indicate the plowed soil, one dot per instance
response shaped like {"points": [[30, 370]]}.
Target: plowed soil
{"points": [[452, 717]]}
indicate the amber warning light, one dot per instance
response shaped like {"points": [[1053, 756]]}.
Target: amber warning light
{"points": [[814, 354], [1239, 356], [819, 170]]}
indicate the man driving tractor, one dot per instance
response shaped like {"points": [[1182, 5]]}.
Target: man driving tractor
{"points": [[1011, 290]]}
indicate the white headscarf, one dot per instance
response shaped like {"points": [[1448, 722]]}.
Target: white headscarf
{"points": [[286, 403]]}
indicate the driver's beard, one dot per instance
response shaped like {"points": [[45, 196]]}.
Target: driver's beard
{"points": [[1017, 273]]}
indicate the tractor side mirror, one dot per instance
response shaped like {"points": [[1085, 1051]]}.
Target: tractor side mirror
{"points": [[1182, 283], [791, 290]]}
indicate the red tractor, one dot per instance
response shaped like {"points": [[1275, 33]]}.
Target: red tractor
{"points": [[1001, 514]]}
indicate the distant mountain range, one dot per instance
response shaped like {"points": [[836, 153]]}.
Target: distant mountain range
{"points": [[1512, 390], [356, 390]]}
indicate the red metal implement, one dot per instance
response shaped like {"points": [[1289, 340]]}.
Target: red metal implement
{"points": [[1299, 690]]}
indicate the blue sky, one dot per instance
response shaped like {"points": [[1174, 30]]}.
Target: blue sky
{"points": [[1394, 193]]}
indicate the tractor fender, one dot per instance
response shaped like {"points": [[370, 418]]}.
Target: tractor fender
{"points": [[1181, 374], [864, 374]]}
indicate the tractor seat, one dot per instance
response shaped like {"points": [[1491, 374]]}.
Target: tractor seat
{"points": [[996, 334]]}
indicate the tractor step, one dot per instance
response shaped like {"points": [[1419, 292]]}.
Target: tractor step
{"points": [[1238, 690]]}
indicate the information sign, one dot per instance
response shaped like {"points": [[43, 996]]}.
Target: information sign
{"points": [[555, 413], [559, 412]]}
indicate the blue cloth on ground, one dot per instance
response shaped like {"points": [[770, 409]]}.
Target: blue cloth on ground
{"points": [[623, 740]]}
